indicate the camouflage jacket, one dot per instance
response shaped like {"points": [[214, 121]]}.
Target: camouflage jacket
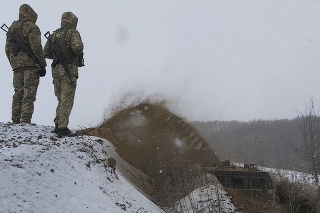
{"points": [[32, 34], [69, 40]]}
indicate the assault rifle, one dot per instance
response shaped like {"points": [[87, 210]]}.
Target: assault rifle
{"points": [[20, 46], [59, 58], [81, 60]]}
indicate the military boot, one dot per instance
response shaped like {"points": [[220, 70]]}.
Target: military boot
{"points": [[64, 132], [15, 121], [56, 129], [26, 121]]}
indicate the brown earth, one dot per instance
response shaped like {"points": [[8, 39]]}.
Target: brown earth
{"points": [[148, 136], [256, 201], [152, 141]]}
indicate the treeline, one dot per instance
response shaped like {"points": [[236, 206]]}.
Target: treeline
{"points": [[263, 142]]}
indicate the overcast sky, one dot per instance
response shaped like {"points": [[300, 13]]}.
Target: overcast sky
{"points": [[211, 59]]}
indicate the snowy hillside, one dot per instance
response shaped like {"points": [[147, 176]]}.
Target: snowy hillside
{"points": [[43, 173]]}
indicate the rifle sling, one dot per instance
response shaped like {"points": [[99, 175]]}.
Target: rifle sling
{"points": [[16, 33]]}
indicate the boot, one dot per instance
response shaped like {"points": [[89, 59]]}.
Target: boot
{"points": [[27, 121], [56, 129], [15, 121], [64, 132]]}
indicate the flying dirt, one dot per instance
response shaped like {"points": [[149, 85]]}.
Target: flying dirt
{"points": [[162, 146], [150, 133]]}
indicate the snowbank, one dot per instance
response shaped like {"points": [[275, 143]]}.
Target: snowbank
{"points": [[43, 173]]}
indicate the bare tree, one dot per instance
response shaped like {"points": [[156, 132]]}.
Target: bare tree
{"points": [[309, 148]]}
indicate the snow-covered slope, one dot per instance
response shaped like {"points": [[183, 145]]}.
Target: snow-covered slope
{"points": [[41, 173]]}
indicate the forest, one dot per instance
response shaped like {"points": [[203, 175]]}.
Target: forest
{"points": [[268, 143]]}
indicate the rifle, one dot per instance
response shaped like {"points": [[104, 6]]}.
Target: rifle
{"points": [[81, 60], [20, 45], [59, 58]]}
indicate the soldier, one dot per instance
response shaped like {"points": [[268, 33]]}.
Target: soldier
{"points": [[26, 70], [64, 72]]}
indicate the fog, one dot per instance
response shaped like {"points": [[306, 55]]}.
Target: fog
{"points": [[209, 59]]}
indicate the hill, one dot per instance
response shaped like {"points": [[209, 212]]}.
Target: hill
{"points": [[43, 173]]}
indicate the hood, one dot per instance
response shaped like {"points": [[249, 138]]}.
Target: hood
{"points": [[69, 20], [27, 13]]}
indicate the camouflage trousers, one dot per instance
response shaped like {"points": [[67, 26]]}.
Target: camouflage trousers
{"points": [[25, 83], [65, 93]]}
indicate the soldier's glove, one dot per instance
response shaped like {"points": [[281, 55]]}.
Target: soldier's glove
{"points": [[42, 72]]}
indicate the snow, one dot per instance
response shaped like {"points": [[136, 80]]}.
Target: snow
{"points": [[42, 173], [205, 199], [47, 174], [292, 176]]}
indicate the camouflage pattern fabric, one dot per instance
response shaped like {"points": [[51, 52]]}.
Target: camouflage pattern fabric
{"points": [[63, 89], [32, 34], [65, 92], [25, 83], [25, 75]]}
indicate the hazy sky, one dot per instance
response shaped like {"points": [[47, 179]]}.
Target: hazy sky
{"points": [[211, 59]]}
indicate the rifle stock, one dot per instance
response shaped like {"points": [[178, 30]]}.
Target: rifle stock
{"points": [[5, 28]]}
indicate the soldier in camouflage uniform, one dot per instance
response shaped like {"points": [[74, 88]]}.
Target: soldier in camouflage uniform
{"points": [[71, 45], [25, 72]]}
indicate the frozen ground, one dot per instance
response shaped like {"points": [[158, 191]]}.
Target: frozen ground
{"points": [[42, 173]]}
